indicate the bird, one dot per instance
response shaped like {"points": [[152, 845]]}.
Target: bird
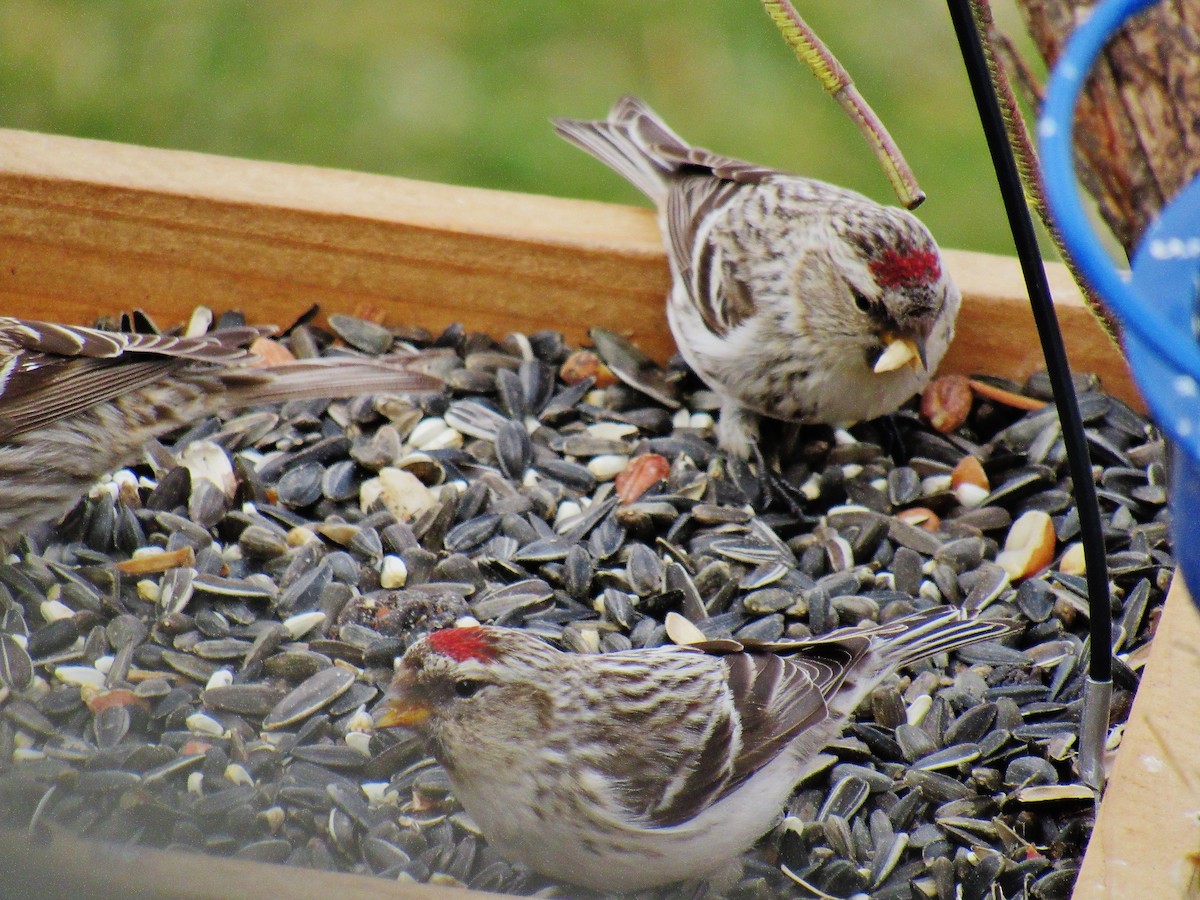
{"points": [[77, 403], [791, 298], [633, 769]]}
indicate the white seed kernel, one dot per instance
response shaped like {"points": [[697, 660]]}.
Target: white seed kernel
{"points": [[302, 623], [360, 741], [393, 573], [55, 610], [607, 466], [360, 720], [917, 709], [204, 724], [237, 773], [83, 676]]}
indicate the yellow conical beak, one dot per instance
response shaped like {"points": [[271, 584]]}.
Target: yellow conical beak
{"points": [[400, 713], [899, 352]]}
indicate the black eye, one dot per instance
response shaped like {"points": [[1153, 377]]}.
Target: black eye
{"points": [[467, 687], [860, 300]]}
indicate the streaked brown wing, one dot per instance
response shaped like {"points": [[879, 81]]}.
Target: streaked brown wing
{"points": [[789, 695], [719, 298], [47, 389], [777, 698], [70, 341], [50, 371], [706, 779], [670, 151], [774, 700]]}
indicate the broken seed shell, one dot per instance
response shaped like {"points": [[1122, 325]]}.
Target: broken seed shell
{"points": [[1029, 546]]}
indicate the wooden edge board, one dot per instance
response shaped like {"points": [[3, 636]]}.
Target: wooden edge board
{"points": [[1146, 843], [89, 226], [64, 867]]}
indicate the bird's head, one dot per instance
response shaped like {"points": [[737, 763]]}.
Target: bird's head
{"points": [[472, 691], [897, 287]]}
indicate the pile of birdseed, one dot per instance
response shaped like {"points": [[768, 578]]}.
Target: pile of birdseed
{"points": [[190, 659]]}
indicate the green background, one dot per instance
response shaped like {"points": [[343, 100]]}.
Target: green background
{"points": [[461, 91]]}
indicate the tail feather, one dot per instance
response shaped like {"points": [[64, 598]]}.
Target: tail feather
{"points": [[636, 115], [631, 142], [917, 636], [899, 643], [953, 637], [328, 377]]}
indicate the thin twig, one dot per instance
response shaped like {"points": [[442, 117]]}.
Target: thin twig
{"points": [[1007, 398], [837, 83], [1026, 156], [1016, 66]]}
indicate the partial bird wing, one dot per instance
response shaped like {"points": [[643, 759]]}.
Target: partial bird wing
{"points": [[687, 183], [909, 638], [788, 696], [774, 701], [735, 720], [70, 341], [49, 371], [897, 643], [721, 299], [700, 184], [673, 153], [777, 699]]}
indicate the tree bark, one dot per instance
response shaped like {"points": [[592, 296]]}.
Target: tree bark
{"points": [[1138, 124]]}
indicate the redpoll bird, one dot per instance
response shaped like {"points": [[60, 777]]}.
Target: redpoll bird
{"points": [[623, 771], [791, 298], [76, 403]]}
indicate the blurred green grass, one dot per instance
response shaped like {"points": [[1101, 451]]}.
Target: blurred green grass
{"points": [[461, 92]]}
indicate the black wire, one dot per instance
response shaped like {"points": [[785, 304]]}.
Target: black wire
{"points": [[1025, 239]]}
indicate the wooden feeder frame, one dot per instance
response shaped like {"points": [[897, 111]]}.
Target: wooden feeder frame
{"points": [[89, 227]]}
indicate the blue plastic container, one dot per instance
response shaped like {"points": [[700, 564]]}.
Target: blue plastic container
{"points": [[1165, 271], [1156, 305]]}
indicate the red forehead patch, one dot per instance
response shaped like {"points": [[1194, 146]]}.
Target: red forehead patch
{"points": [[895, 269], [461, 644]]}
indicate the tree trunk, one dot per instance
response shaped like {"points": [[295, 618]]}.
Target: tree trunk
{"points": [[1137, 131]]}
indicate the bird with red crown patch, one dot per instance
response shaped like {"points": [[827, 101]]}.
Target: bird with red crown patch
{"points": [[628, 770], [791, 298]]}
